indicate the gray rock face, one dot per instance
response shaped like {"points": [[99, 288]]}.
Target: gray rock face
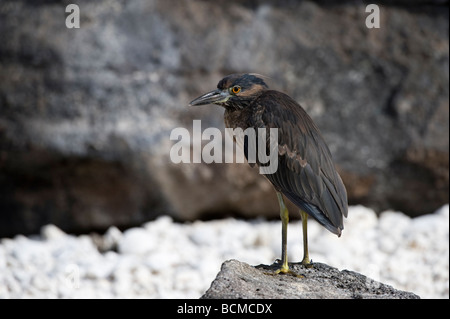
{"points": [[237, 280], [86, 114]]}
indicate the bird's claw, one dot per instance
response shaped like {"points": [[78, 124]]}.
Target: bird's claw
{"points": [[285, 270], [307, 263]]}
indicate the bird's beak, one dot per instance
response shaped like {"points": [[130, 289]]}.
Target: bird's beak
{"points": [[214, 97]]}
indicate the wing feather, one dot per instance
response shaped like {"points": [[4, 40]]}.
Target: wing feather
{"points": [[306, 173]]}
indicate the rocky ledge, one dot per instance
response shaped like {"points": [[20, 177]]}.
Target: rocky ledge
{"points": [[238, 280]]}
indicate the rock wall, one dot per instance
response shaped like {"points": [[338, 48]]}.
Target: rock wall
{"points": [[86, 114]]}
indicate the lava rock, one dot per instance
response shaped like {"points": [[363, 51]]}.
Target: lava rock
{"points": [[238, 280]]}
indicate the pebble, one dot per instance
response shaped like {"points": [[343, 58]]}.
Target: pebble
{"points": [[164, 259], [137, 241]]}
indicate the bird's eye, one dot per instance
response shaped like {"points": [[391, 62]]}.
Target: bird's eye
{"points": [[236, 89]]}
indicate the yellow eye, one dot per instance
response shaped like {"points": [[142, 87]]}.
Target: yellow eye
{"points": [[236, 89]]}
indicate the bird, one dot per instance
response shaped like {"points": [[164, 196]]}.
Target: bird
{"points": [[306, 174]]}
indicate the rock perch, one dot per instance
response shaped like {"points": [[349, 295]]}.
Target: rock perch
{"points": [[238, 280]]}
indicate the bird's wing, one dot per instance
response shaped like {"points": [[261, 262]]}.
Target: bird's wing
{"points": [[306, 173]]}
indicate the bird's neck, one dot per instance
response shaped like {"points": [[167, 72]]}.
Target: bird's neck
{"points": [[235, 118]]}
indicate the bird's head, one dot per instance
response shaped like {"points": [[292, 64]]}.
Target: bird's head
{"points": [[234, 91]]}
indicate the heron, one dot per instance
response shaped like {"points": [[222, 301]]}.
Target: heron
{"points": [[306, 174]]}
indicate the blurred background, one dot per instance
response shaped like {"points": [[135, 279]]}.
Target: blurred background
{"points": [[86, 113]]}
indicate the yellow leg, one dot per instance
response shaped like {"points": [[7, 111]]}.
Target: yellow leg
{"points": [[284, 214], [306, 260]]}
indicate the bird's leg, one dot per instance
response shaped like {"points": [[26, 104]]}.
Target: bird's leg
{"points": [[284, 214], [306, 261]]}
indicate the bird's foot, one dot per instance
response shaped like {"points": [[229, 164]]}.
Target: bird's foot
{"points": [[283, 269], [306, 262]]}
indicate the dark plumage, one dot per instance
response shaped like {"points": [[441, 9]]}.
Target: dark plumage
{"points": [[305, 174]]}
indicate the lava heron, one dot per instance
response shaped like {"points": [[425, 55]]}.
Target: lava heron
{"points": [[306, 174]]}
